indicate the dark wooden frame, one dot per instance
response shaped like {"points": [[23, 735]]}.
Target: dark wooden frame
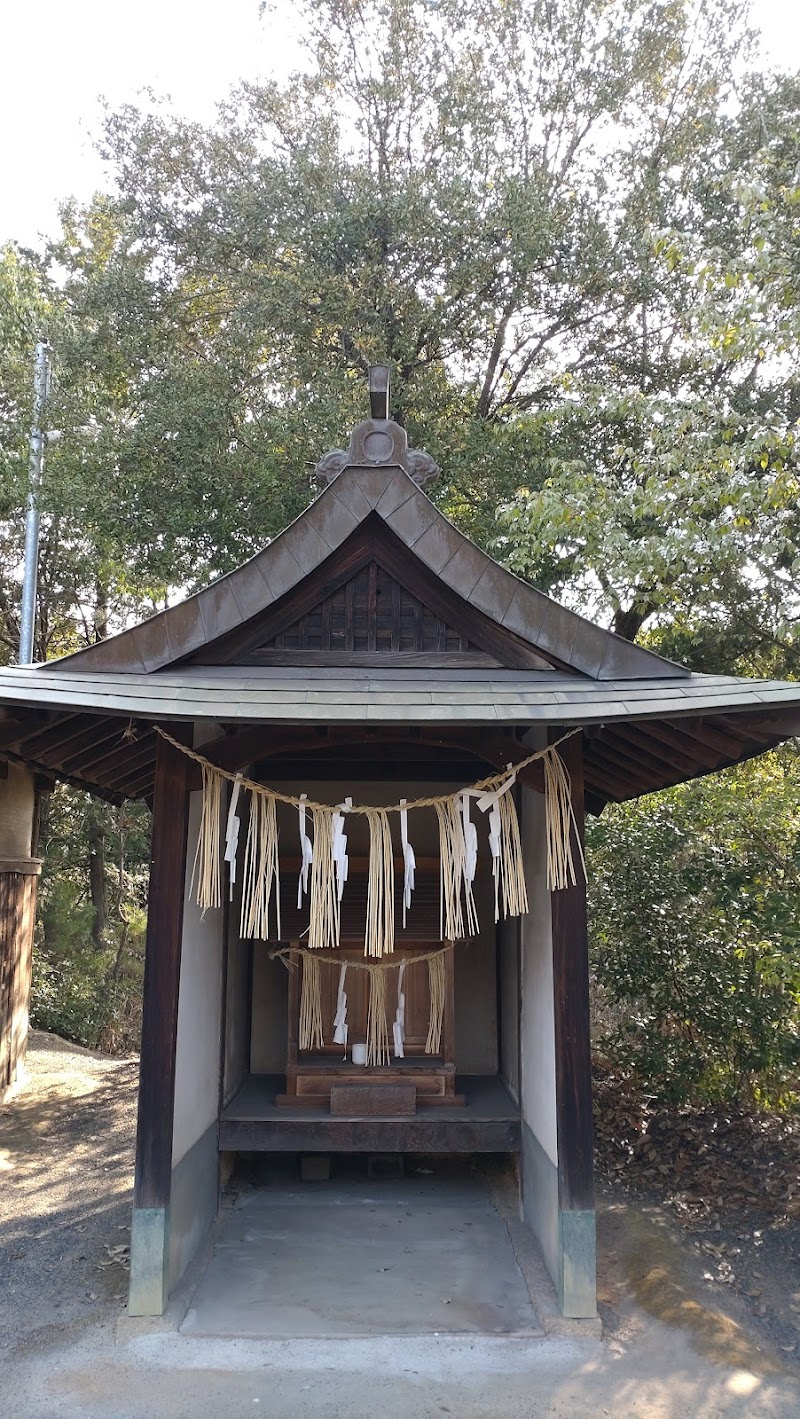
{"points": [[571, 1007], [153, 1172]]}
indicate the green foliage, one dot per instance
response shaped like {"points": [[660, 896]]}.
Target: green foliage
{"points": [[466, 190], [672, 489], [89, 954], [694, 934], [511, 201]]}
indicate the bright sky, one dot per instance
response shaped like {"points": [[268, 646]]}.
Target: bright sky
{"points": [[61, 55]]}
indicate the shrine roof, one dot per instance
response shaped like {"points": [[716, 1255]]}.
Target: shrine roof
{"points": [[286, 694], [361, 505], [639, 735]]}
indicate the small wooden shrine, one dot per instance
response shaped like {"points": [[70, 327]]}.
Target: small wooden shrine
{"points": [[368, 754], [322, 1075]]}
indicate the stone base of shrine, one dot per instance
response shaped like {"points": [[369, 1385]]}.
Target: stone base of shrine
{"points": [[488, 1121]]}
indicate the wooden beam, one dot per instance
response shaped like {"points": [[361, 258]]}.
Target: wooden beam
{"points": [[259, 743], [104, 736], [140, 788], [603, 766], [595, 802], [99, 789], [57, 735], [695, 731], [459, 772], [14, 728], [671, 749], [645, 753], [153, 1175], [785, 723], [571, 1004], [738, 729], [767, 728], [18, 881], [375, 659], [111, 759], [639, 767]]}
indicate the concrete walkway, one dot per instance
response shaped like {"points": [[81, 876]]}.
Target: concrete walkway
{"points": [[164, 1375], [353, 1258]]}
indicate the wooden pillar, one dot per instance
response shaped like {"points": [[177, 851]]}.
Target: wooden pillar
{"points": [[19, 871], [576, 1203], [18, 879], [153, 1177]]}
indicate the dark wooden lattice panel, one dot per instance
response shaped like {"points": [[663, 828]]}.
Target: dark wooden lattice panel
{"points": [[423, 916], [370, 612]]}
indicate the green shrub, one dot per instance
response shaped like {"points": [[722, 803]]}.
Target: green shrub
{"points": [[694, 934]]}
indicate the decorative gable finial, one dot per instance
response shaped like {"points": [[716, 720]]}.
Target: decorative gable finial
{"points": [[378, 383], [378, 442]]}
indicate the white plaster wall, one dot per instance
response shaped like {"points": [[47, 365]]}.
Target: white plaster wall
{"points": [[199, 1010], [537, 1026]]}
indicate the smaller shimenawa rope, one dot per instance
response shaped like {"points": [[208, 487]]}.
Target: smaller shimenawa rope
{"points": [[310, 1032]]}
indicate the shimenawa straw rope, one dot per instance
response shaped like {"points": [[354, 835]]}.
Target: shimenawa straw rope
{"points": [[457, 854], [483, 785]]}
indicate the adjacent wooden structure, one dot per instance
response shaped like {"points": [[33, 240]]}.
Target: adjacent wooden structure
{"points": [[371, 645], [18, 879]]}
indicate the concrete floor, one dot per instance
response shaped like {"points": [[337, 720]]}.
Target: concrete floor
{"points": [[350, 1258]]}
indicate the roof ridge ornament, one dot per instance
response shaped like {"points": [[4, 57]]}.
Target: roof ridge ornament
{"points": [[378, 442]]}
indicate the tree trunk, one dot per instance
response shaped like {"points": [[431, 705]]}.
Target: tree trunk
{"points": [[628, 623]]}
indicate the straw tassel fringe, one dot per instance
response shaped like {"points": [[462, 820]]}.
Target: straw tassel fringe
{"points": [[261, 870], [377, 1028], [328, 862], [310, 1026], [323, 925], [379, 935], [207, 870], [560, 819], [458, 919], [436, 987], [511, 887]]}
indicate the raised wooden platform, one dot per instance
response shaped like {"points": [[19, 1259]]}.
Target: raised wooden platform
{"points": [[487, 1122]]}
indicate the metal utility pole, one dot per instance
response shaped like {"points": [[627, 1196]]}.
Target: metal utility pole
{"points": [[41, 389]]}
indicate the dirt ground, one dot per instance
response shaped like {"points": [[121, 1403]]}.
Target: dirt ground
{"points": [[66, 1173], [701, 1317]]}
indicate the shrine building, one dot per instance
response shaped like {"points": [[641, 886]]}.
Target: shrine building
{"points": [[403, 717]]}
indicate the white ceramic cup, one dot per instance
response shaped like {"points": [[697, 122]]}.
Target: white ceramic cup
{"points": [[359, 1053]]}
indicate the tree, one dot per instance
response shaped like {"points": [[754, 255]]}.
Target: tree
{"points": [[675, 499], [89, 949], [464, 189], [569, 228]]}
